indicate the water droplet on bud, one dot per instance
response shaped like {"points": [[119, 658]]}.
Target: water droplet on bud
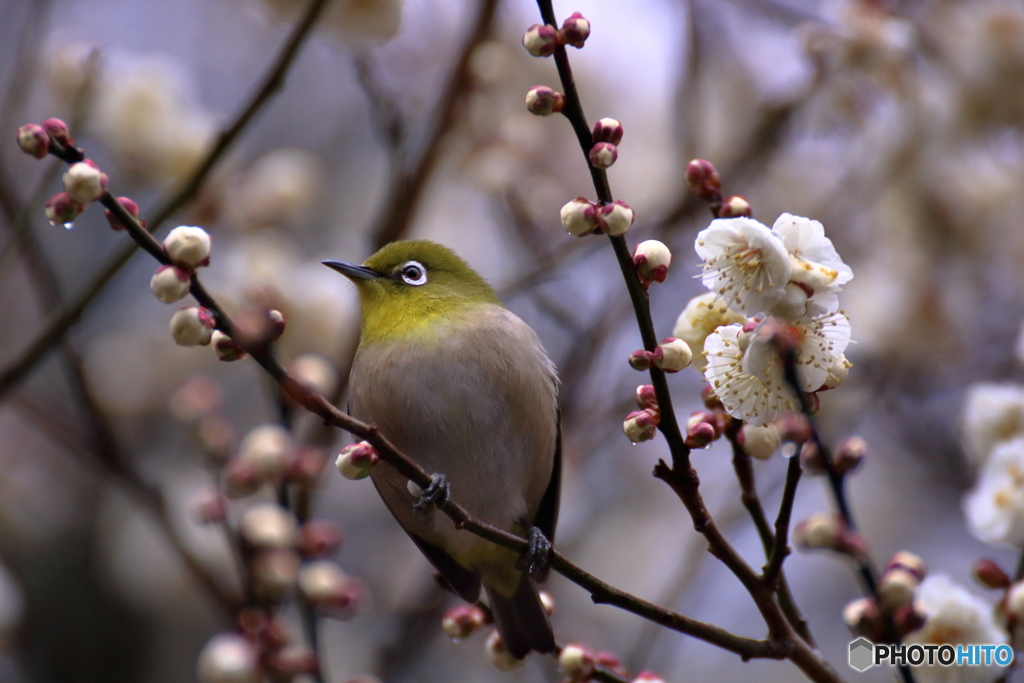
{"points": [[69, 225]]}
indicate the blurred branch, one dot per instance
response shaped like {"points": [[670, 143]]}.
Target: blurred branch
{"points": [[780, 548], [63, 318], [408, 183]]}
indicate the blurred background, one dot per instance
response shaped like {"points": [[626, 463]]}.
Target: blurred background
{"points": [[899, 125]]}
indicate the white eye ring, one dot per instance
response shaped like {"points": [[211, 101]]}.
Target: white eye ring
{"points": [[413, 273]]}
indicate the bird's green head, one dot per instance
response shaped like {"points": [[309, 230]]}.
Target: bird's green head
{"points": [[407, 287]]}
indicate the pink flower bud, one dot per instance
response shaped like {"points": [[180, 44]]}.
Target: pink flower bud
{"points": [[131, 207], [603, 155], [710, 399], [543, 101], [323, 583], [734, 207], [188, 245], [702, 180], [793, 427], [268, 526], [356, 460], [267, 448], [58, 130], [62, 210], [908, 562], [850, 454], [498, 655], [652, 260], [907, 619], [864, 618], [641, 360], [277, 324], [192, 326], [576, 661], [700, 435], [579, 217], [307, 465], [85, 182], [608, 130], [240, 479], [989, 574], [547, 602], [170, 283], [319, 538], [462, 621], [640, 425], [823, 530], [209, 507], [290, 661], [896, 588], [616, 218], [646, 398], [540, 41], [648, 677], [813, 402], [609, 662], [273, 573], [672, 355], [574, 31], [226, 348], [810, 458], [33, 140], [228, 658]]}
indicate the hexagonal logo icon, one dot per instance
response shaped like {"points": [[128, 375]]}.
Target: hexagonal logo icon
{"points": [[862, 654]]}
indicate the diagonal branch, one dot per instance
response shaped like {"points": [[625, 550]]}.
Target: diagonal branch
{"points": [[62, 319]]}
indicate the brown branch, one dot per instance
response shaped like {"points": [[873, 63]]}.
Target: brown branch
{"points": [[780, 548], [65, 317]]}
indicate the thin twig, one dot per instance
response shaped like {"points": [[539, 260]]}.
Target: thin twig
{"points": [[62, 319], [780, 548]]}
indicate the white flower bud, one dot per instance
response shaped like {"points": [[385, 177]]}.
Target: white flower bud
{"points": [[575, 30], [267, 449], [603, 155], [462, 621], [228, 658], [896, 589], [322, 581], [192, 326], [61, 209], [226, 348], [273, 573], [672, 355], [315, 372], [355, 460], [615, 218], [188, 245], [640, 425], [733, 207], [170, 283], [576, 662], [652, 260], [269, 526], [608, 130], [84, 182], [579, 217], [760, 442], [34, 140], [820, 530], [498, 655], [543, 101], [540, 40]]}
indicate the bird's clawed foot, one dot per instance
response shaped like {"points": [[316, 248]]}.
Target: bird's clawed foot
{"points": [[535, 559], [436, 494]]}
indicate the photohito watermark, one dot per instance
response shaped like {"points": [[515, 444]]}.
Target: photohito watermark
{"points": [[864, 654]]}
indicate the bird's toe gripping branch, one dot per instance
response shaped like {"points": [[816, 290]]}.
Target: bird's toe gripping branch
{"points": [[437, 493], [535, 559]]}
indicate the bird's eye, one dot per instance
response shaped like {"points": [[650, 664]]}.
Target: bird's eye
{"points": [[413, 273]]}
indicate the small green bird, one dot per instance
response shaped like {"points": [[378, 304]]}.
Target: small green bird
{"points": [[465, 388]]}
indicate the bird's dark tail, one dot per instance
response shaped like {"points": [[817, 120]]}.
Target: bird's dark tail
{"points": [[521, 619]]}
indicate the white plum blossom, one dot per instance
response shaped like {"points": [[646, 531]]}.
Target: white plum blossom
{"points": [[744, 263], [813, 258], [702, 316], [994, 508], [954, 617], [992, 413], [821, 339]]}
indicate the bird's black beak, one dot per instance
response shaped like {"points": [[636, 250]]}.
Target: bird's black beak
{"points": [[352, 271]]}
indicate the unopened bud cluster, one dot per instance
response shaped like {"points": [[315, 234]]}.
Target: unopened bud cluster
{"points": [[542, 40], [893, 601], [642, 425], [582, 217]]}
